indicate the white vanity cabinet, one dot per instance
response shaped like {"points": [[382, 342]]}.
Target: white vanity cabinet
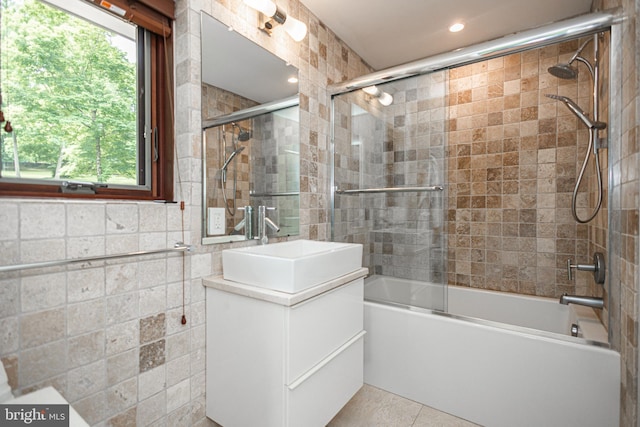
{"points": [[276, 359]]}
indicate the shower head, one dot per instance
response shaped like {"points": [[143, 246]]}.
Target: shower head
{"points": [[567, 71], [575, 109], [243, 134], [563, 71]]}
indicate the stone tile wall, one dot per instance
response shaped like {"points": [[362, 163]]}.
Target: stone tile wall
{"points": [[382, 147], [514, 156], [624, 150], [108, 335]]}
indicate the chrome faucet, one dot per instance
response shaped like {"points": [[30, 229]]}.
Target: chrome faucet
{"points": [[587, 301], [263, 223], [246, 222]]}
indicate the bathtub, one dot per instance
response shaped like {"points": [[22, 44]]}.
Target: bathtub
{"points": [[496, 359]]}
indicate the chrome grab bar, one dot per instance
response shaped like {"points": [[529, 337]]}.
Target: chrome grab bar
{"points": [[178, 247], [391, 190], [286, 193]]}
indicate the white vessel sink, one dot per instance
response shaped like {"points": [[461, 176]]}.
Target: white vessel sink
{"points": [[291, 266]]}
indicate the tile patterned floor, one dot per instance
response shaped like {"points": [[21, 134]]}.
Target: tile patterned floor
{"points": [[373, 407]]}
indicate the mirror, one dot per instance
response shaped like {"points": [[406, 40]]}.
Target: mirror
{"points": [[250, 122]]}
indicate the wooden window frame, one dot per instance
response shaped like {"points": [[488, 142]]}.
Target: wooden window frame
{"points": [[157, 17]]}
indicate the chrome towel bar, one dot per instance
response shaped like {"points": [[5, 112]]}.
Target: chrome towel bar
{"points": [[392, 190], [286, 193], [178, 247]]}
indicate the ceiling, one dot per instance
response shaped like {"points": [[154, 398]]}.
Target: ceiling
{"points": [[386, 33]]}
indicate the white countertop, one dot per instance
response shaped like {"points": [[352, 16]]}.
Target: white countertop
{"points": [[281, 298]]}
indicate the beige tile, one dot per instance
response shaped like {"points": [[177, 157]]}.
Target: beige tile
{"points": [[93, 408], [124, 419], [86, 348], [151, 409], [8, 221], [85, 284], [42, 220], [374, 407], [9, 336], [151, 382], [122, 396], [429, 417], [122, 337], [122, 366], [42, 362], [39, 292], [86, 380], [178, 395], [41, 327]]}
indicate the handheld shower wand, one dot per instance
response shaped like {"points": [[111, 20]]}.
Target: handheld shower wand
{"points": [[242, 135], [575, 109], [223, 169]]}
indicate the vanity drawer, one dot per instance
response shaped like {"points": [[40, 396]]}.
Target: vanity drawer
{"points": [[316, 397], [319, 326]]}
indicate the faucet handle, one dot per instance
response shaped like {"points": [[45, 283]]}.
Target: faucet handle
{"points": [[247, 222], [598, 268]]}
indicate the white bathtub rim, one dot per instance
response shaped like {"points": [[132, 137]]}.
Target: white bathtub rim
{"points": [[490, 323]]}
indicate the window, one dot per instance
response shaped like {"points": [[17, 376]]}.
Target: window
{"points": [[86, 97]]}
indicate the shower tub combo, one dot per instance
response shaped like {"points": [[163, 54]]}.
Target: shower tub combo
{"points": [[497, 359]]}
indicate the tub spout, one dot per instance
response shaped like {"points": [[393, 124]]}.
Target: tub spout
{"points": [[588, 301]]}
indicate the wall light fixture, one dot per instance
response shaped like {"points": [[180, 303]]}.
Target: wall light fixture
{"points": [[383, 97], [296, 29]]}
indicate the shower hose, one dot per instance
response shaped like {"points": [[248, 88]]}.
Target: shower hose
{"points": [[592, 147]]}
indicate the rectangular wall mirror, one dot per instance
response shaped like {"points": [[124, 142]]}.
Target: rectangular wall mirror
{"points": [[250, 123]]}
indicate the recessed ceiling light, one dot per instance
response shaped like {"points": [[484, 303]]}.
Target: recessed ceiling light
{"points": [[458, 26], [292, 79]]}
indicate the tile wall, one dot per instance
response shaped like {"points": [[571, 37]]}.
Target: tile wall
{"points": [[217, 102], [624, 155], [108, 336], [92, 318], [401, 145], [275, 167], [514, 156]]}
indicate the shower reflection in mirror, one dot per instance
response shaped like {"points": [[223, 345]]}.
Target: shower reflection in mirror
{"points": [[254, 162]]}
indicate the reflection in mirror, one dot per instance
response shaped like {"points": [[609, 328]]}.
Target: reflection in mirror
{"points": [[250, 144], [236, 64], [252, 162]]}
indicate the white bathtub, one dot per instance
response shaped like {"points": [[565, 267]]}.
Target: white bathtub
{"points": [[496, 359]]}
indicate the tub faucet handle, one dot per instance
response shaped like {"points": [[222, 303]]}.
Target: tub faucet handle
{"points": [[598, 268]]}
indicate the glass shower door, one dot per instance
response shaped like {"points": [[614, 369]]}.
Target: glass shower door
{"points": [[388, 180]]}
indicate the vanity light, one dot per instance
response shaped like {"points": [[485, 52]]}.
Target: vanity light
{"points": [[295, 28], [458, 26], [383, 97]]}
